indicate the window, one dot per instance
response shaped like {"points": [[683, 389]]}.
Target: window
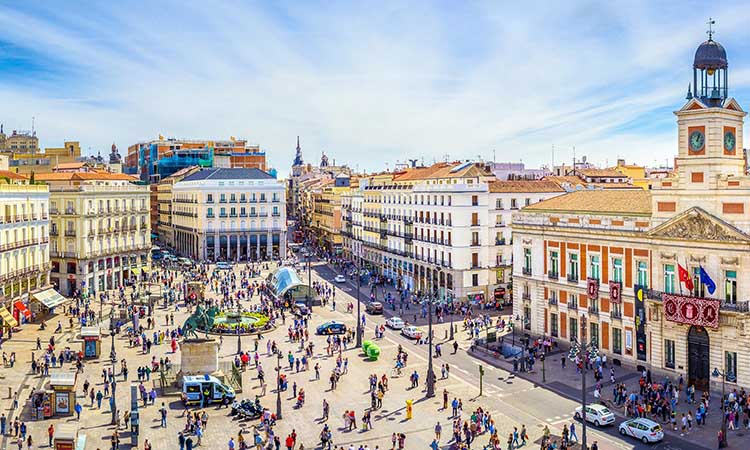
{"points": [[475, 279], [527, 260], [553, 325], [617, 269], [617, 341], [513, 204], [527, 202], [669, 353], [594, 333], [233, 198], [223, 212], [573, 328], [527, 317], [474, 200], [573, 272], [554, 263], [642, 275], [699, 289], [669, 278], [242, 198], [223, 198], [209, 212], [730, 366], [730, 287], [594, 267], [474, 219], [499, 203]]}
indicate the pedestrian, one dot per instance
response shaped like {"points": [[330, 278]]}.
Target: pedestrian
{"points": [[573, 434], [438, 431], [51, 434]]}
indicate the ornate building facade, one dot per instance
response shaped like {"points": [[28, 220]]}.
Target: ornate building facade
{"points": [[657, 278]]}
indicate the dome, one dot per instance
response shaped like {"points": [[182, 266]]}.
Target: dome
{"points": [[710, 55]]}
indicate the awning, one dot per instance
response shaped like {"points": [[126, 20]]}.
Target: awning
{"points": [[23, 309], [135, 270], [145, 269], [49, 298], [7, 317]]}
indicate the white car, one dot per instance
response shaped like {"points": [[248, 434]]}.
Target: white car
{"points": [[597, 414], [340, 279], [411, 332], [645, 430], [395, 323]]}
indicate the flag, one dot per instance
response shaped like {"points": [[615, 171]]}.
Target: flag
{"points": [[685, 277], [705, 279]]}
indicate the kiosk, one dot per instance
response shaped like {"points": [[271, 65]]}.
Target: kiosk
{"points": [[92, 342], [41, 404], [65, 437], [63, 385]]}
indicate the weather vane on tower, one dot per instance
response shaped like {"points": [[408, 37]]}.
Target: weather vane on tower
{"points": [[710, 31]]}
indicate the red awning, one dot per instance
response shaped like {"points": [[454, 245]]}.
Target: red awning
{"points": [[23, 309]]}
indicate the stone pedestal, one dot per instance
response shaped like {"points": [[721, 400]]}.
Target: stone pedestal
{"points": [[199, 357]]}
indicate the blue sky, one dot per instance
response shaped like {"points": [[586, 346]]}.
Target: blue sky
{"points": [[369, 83]]}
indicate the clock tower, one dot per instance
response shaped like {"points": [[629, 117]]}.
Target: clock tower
{"points": [[710, 123], [710, 168]]}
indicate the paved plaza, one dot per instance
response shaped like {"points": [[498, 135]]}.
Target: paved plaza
{"points": [[514, 401]]}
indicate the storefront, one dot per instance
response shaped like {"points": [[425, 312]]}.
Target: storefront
{"points": [[21, 310]]}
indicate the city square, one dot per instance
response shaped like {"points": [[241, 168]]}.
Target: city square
{"points": [[338, 226]]}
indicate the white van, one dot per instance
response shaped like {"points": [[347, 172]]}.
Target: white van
{"points": [[597, 414], [195, 388]]}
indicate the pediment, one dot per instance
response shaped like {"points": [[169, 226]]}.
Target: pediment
{"points": [[696, 224], [692, 104], [733, 105]]}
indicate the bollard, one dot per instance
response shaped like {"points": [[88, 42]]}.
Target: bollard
{"points": [[446, 334]]}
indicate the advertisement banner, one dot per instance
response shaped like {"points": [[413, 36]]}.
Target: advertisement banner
{"points": [[686, 310], [640, 322], [615, 291]]}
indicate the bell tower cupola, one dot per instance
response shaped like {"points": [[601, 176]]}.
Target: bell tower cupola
{"points": [[710, 79]]}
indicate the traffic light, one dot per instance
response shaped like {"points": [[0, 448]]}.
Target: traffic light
{"points": [[481, 370]]}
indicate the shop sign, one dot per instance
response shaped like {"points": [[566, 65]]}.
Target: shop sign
{"points": [[686, 310]]}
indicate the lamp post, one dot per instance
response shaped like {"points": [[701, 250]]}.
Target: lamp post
{"points": [[114, 394], [723, 374], [359, 322], [309, 282], [430, 371], [451, 317], [278, 385], [112, 352], [587, 352]]}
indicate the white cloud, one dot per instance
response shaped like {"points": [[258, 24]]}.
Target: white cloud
{"points": [[367, 84]]}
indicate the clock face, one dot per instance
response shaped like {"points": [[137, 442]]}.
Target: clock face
{"points": [[697, 140], [729, 141]]}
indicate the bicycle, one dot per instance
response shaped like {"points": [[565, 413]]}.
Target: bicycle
{"points": [[396, 372]]}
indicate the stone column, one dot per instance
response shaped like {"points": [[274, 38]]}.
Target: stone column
{"points": [[269, 246], [257, 250], [238, 247], [247, 254], [216, 245], [229, 247]]}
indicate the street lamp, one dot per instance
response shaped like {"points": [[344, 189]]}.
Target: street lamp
{"points": [[723, 374], [359, 322], [112, 352], [278, 385], [451, 317], [309, 281], [430, 371], [587, 352]]}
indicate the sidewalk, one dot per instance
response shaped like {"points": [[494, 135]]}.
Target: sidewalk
{"points": [[567, 382]]}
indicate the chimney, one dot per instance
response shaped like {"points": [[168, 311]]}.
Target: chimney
{"points": [[620, 162]]}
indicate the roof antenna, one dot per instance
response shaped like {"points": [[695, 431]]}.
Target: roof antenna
{"points": [[710, 31]]}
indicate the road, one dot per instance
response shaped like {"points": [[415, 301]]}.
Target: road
{"points": [[517, 399]]}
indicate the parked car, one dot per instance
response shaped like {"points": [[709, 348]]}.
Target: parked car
{"points": [[340, 279], [395, 323], [332, 327], [643, 429], [374, 308], [411, 332], [223, 266], [597, 414]]}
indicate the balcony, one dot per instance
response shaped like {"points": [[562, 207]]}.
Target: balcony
{"points": [[54, 232], [275, 200], [475, 243], [573, 304], [276, 214], [500, 241], [526, 296], [573, 278], [53, 211], [70, 233], [209, 216], [70, 211], [553, 275], [739, 307], [526, 271], [614, 314], [552, 301], [593, 310]]}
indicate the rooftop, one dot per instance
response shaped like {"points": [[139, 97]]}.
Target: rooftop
{"points": [[229, 174], [525, 186], [635, 202], [84, 176]]}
